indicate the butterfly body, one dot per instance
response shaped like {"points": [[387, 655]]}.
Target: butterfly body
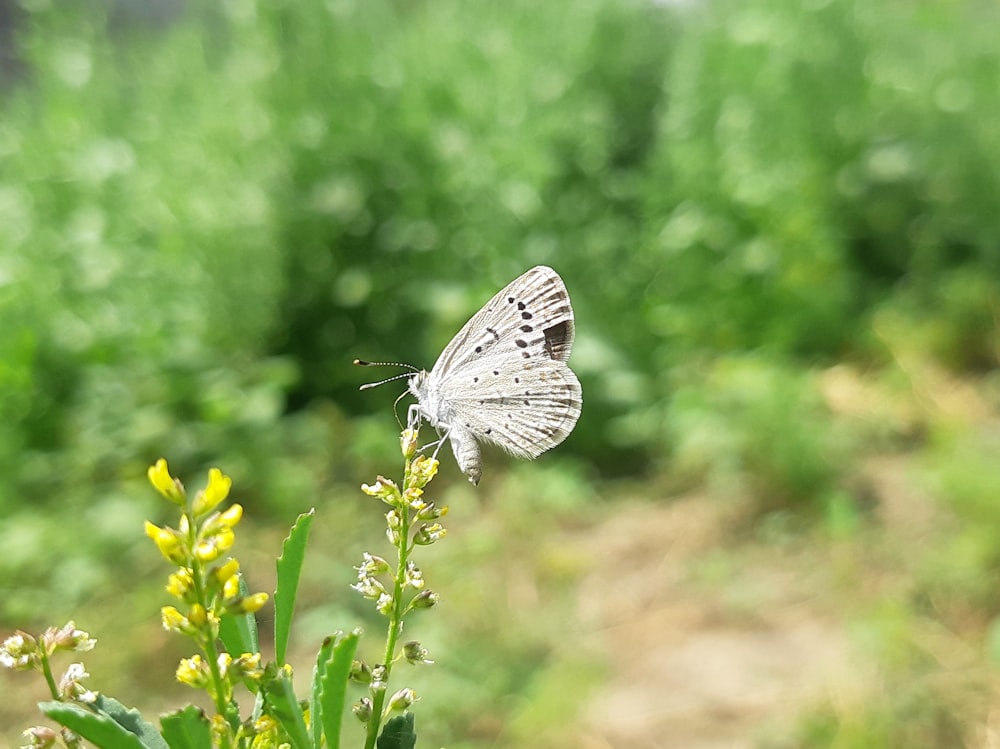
{"points": [[503, 378]]}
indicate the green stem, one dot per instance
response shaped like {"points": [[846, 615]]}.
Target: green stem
{"points": [[395, 617], [208, 634], [47, 672]]}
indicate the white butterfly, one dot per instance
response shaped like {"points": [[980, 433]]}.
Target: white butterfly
{"points": [[503, 378]]}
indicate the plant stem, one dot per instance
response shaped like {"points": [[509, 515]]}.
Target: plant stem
{"points": [[47, 672], [403, 549], [207, 636]]}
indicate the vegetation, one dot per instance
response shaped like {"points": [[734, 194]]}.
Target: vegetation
{"points": [[776, 220]]}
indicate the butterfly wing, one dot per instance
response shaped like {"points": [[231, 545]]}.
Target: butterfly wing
{"points": [[531, 317], [503, 377], [526, 412]]}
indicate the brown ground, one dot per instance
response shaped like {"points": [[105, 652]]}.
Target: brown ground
{"points": [[714, 650]]}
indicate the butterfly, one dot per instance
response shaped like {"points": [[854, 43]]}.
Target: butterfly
{"points": [[503, 378]]}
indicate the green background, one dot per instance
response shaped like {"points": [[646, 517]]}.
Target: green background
{"points": [[777, 222]]}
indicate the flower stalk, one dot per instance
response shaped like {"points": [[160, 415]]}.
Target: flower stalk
{"points": [[206, 590], [405, 591]]}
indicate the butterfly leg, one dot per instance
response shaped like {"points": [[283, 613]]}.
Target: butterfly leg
{"points": [[413, 416], [437, 443]]}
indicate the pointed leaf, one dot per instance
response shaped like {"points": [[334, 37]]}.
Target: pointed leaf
{"points": [[131, 720], [98, 729], [284, 708], [239, 633], [187, 729], [315, 711], [331, 681], [398, 733], [293, 552]]}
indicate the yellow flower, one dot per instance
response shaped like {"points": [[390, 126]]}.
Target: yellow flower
{"points": [[383, 488], [174, 621], [193, 671], [211, 548], [422, 470], [225, 660], [266, 730], [408, 443], [216, 491], [247, 666], [167, 541], [180, 583], [164, 483]]}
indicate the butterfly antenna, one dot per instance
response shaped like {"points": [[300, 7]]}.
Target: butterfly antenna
{"points": [[363, 363]]}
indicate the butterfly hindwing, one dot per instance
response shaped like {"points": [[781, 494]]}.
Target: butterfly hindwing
{"points": [[525, 412]]}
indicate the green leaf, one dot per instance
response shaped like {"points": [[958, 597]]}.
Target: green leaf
{"points": [[239, 632], [187, 729], [330, 685], [398, 733], [284, 708], [97, 728], [315, 710], [293, 552], [131, 720]]}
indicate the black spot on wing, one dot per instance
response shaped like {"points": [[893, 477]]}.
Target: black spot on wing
{"points": [[558, 339]]}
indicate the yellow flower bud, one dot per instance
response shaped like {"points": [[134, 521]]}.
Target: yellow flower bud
{"points": [[253, 603], [212, 547], [207, 551], [222, 520], [164, 483], [197, 615], [226, 571], [232, 515], [216, 491], [231, 588], [168, 541]]}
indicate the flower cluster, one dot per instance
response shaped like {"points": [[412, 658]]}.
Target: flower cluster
{"points": [[22, 652], [398, 588], [206, 586]]}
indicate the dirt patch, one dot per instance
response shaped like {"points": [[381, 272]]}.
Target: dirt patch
{"points": [[699, 663]]}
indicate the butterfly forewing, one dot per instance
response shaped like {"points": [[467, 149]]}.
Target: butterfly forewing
{"points": [[514, 322]]}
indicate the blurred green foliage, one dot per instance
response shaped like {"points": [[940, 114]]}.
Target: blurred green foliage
{"points": [[203, 219], [208, 209]]}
